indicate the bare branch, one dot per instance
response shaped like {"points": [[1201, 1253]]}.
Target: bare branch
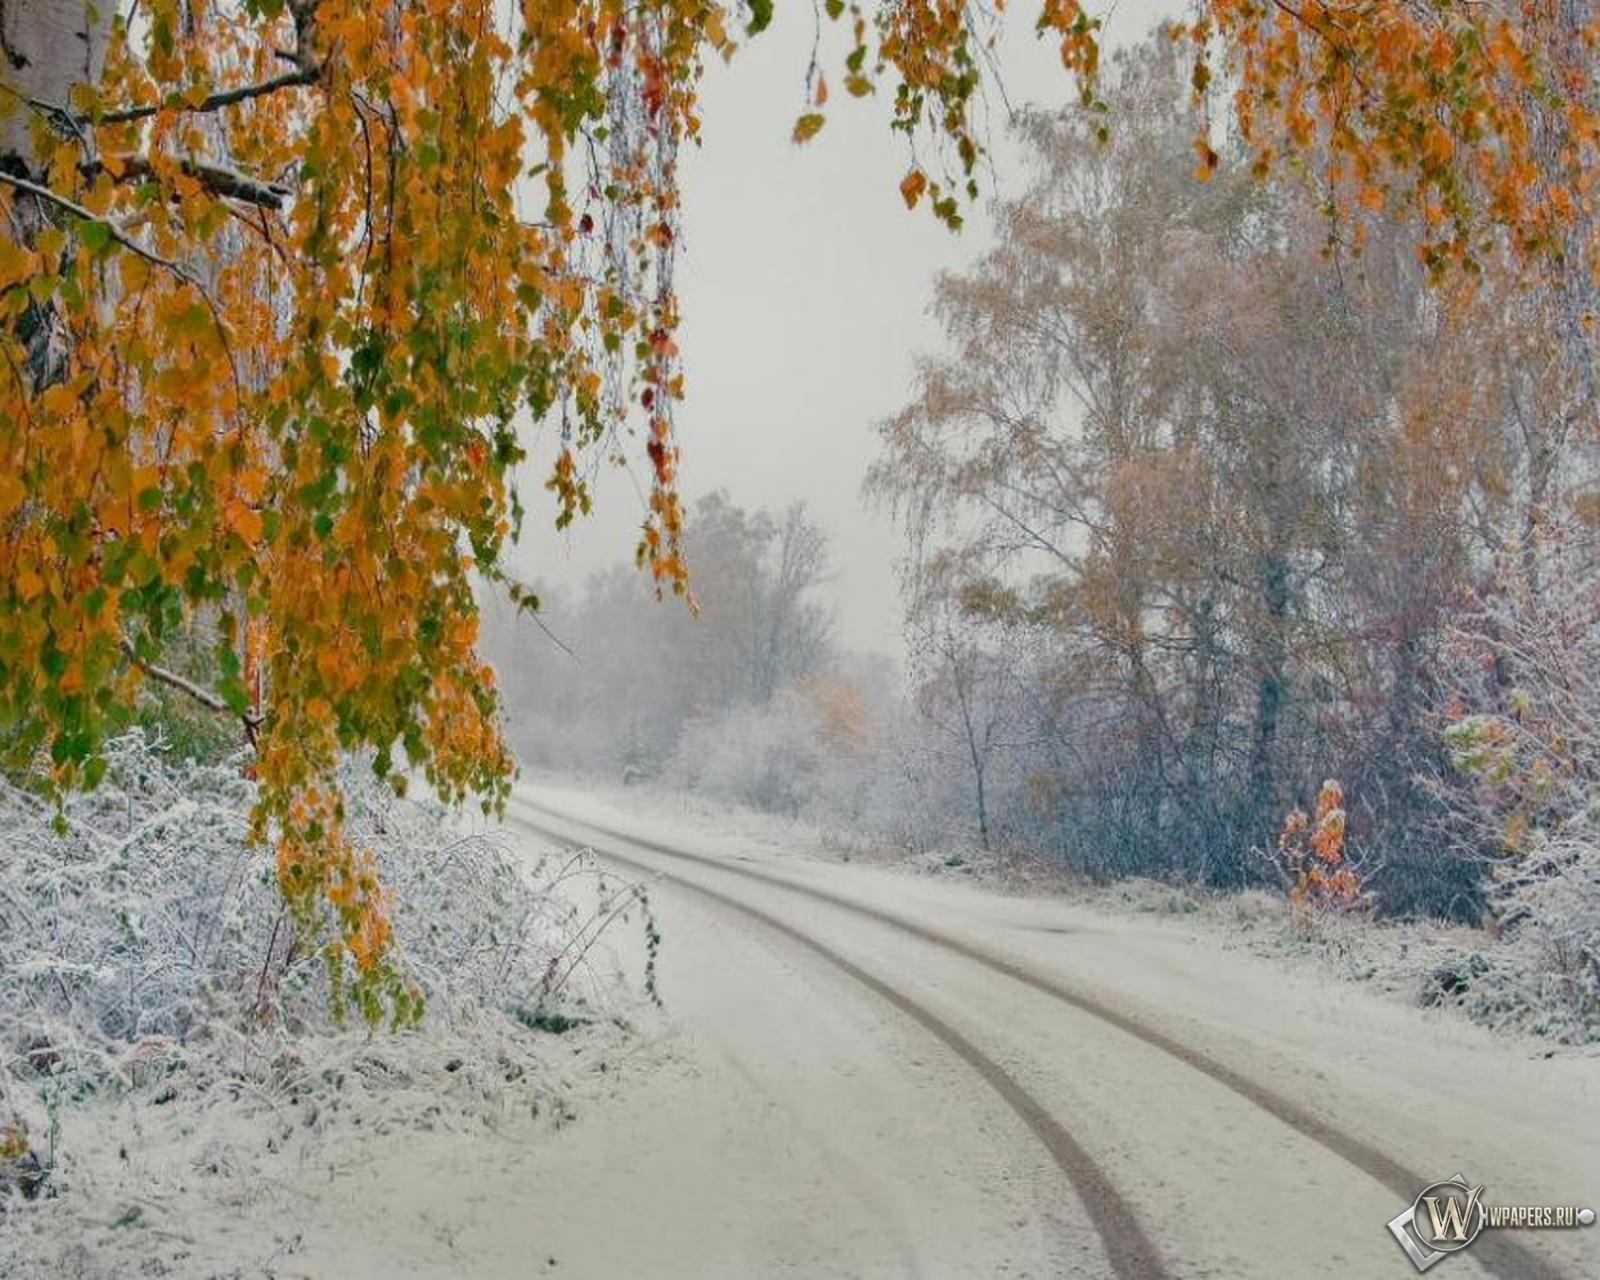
{"points": [[205, 697]]}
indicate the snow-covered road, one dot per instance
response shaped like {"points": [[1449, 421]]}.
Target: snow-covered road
{"points": [[890, 1075]]}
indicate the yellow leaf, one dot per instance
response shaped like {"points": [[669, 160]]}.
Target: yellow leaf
{"points": [[244, 521], [808, 125], [16, 263]]}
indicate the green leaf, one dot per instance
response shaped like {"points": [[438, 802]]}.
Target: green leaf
{"points": [[760, 16], [97, 237], [235, 694]]}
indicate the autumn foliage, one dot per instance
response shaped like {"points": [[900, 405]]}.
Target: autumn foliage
{"points": [[1205, 496], [286, 283], [1479, 119], [1311, 851]]}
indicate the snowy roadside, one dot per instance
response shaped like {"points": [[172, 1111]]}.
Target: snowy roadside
{"points": [[486, 1146], [282, 1178], [1451, 969], [178, 1095]]}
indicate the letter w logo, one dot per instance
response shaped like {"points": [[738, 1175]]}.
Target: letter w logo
{"points": [[1450, 1223]]}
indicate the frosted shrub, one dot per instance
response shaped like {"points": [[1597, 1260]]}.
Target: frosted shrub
{"points": [[767, 757], [141, 934], [857, 763], [1524, 741], [137, 913], [1552, 897]]}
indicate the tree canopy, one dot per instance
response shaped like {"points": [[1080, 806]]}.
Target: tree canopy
{"points": [[1258, 509], [283, 278]]}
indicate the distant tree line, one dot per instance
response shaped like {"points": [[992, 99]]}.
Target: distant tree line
{"points": [[749, 698], [617, 673]]}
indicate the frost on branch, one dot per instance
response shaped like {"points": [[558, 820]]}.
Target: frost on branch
{"points": [[1524, 742]]}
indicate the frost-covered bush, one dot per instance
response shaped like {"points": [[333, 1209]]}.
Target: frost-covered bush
{"points": [[1524, 742], [142, 935], [136, 912], [860, 764], [766, 756], [914, 794], [1556, 891]]}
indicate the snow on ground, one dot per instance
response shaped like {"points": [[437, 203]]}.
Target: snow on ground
{"points": [[770, 1117], [177, 1094], [333, 1180], [1461, 972], [1422, 1085]]}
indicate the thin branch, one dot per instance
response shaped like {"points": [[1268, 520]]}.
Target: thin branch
{"points": [[211, 701], [298, 78], [121, 237], [116, 232], [553, 638], [220, 181], [307, 71]]}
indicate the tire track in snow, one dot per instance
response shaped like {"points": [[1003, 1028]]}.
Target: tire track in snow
{"points": [[1129, 1250], [1499, 1255]]}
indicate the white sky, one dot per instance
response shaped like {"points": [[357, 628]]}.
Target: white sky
{"points": [[804, 286]]}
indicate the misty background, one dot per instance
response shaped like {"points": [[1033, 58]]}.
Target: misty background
{"points": [[1153, 526], [805, 285]]}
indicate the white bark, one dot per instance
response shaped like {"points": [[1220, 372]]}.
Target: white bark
{"points": [[47, 49]]}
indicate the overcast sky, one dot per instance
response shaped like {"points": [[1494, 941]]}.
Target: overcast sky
{"points": [[804, 285]]}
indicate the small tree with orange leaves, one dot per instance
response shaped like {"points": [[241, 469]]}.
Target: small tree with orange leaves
{"points": [[1312, 854]]}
